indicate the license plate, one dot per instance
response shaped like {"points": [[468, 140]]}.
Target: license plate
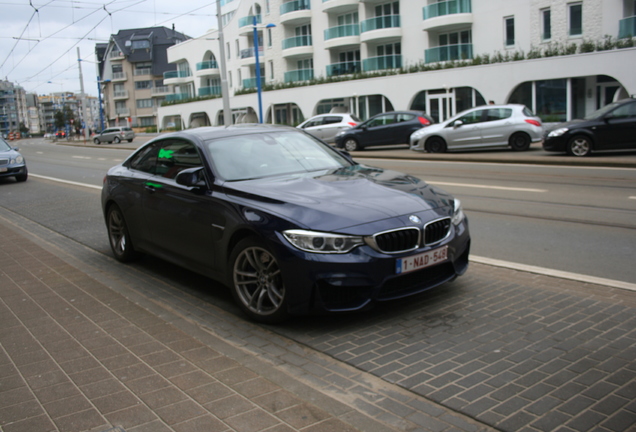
{"points": [[3, 169], [420, 261]]}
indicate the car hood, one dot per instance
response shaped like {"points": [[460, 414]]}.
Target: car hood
{"points": [[339, 199]]}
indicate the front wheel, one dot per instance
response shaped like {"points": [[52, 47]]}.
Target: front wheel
{"points": [[435, 145], [22, 177], [116, 140], [257, 282], [520, 142], [351, 145], [118, 235], [96, 141], [579, 146]]}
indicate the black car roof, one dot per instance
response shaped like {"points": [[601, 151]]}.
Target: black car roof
{"points": [[212, 132]]}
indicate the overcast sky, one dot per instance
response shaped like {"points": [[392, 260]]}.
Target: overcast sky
{"points": [[39, 38]]}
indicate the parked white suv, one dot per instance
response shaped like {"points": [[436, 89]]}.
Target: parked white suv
{"points": [[327, 126], [114, 134]]}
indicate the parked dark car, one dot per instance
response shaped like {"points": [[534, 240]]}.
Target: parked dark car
{"points": [[12, 163], [612, 127], [291, 224], [393, 127]]}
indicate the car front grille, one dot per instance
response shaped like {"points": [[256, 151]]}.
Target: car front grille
{"points": [[4, 162], [436, 231], [400, 240]]}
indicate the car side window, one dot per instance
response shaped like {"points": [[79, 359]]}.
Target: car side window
{"points": [[625, 111], [404, 117], [382, 120], [498, 114], [333, 119], [313, 123], [145, 160], [175, 156], [471, 117]]}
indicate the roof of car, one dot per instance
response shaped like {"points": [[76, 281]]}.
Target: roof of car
{"points": [[212, 132]]}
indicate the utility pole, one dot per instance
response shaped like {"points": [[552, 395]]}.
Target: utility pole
{"points": [[82, 96], [227, 114]]}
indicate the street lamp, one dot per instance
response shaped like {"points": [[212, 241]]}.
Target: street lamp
{"points": [[258, 67]]}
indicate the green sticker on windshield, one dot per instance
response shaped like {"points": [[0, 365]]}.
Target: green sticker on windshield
{"points": [[165, 154]]}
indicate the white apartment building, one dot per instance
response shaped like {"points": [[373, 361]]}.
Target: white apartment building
{"points": [[561, 58]]}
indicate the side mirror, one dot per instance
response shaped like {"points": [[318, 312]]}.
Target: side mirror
{"points": [[191, 177], [458, 123]]}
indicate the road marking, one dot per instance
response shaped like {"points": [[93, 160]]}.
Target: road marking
{"points": [[554, 273], [632, 197], [81, 157], [65, 181], [476, 162], [487, 187], [473, 258]]}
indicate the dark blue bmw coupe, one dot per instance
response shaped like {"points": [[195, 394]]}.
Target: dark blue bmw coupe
{"points": [[290, 224]]}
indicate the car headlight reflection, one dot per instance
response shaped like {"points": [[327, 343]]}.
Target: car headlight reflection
{"points": [[558, 132], [318, 242], [458, 213]]}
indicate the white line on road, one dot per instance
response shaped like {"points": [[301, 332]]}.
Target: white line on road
{"points": [[632, 197], [486, 187], [473, 258], [81, 157]]}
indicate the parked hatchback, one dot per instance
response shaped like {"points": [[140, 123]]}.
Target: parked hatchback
{"points": [[327, 126], [612, 127], [114, 134], [393, 127], [484, 127]]}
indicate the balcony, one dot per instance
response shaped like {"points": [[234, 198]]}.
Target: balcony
{"points": [[344, 68], [122, 112], [119, 76], [297, 46], [299, 75], [449, 53], [295, 12], [120, 94], [627, 27], [250, 83], [248, 56], [339, 6], [160, 91], [246, 24], [178, 97], [382, 28], [116, 55], [210, 91], [206, 68], [144, 71], [447, 15], [342, 36], [382, 63], [177, 77]]}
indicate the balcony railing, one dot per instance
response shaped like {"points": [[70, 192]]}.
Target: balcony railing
{"points": [[178, 97], [251, 83], [382, 62], [381, 22], [210, 91], [176, 74], [299, 75], [344, 68], [119, 76], [342, 31], [144, 71], [115, 54], [627, 27], [122, 112], [449, 7], [297, 41], [248, 20], [250, 52], [294, 6], [120, 94], [161, 91], [210, 64], [449, 53]]}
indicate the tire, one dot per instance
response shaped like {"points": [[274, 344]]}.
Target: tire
{"points": [[519, 142], [130, 140], [351, 144], [22, 177], [118, 235], [435, 145], [257, 283], [96, 141], [116, 140], [579, 146]]}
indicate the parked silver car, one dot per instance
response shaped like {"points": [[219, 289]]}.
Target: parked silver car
{"points": [[327, 126], [484, 127], [114, 134]]}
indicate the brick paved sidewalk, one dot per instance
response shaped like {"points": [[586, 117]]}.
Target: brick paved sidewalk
{"points": [[77, 356]]}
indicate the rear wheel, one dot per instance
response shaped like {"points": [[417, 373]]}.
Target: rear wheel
{"points": [[580, 146], [118, 235], [257, 282], [435, 145], [351, 144], [116, 140], [520, 142]]}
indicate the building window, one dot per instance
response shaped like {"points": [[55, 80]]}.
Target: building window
{"points": [[575, 17], [144, 103], [546, 25], [238, 50], [229, 76], [271, 70], [146, 121], [227, 45], [269, 37], [141, 85], [140, 44], [509, 31]]}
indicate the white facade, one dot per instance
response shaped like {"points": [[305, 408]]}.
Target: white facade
{"points": [[402, 42]]}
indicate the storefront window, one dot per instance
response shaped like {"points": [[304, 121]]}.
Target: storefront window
{"points": [[551, 100]]}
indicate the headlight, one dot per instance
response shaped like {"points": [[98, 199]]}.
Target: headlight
{"points": [[317, 242], [458, 213], [558, 132], [342, 132], [19, 160]]}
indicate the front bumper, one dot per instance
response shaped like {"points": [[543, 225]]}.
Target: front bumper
{"points": [[12, 170], [554, 144], [354, 281]]}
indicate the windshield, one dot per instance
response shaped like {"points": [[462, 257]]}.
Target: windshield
{"points": [[601, 112], [3, 145], [252, 156]]}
